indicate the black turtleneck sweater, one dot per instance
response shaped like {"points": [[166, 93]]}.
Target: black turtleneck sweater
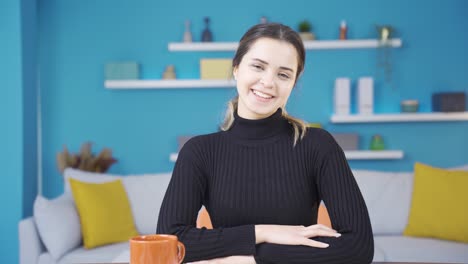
{"points": [[253, 174]]}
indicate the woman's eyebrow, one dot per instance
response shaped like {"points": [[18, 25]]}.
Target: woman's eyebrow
{"points": [[281, 67]]}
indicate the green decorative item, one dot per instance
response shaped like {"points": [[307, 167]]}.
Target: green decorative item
{"points": [[385, 32], [384, 51], [316, 125], [305, 30], [305, 26], [377, 143]]}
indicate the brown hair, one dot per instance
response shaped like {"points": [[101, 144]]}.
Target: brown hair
{"points": [[274, 31]]}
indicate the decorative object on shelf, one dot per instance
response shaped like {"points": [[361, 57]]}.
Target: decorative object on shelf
{"points": [[169, 73], [187, 32], [377, 143], [305, 30], [342, 96], [343, 30], [449, 102], [85, 160], [263, 20], [217, 69], [365, 95], [409, 106], [385, 33], [316, 125], [347, 141], [384, 51], [122, 71], [207, 36]]}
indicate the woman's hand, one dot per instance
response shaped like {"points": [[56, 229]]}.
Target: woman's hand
{"points": [[293, 235], [228, 260]]}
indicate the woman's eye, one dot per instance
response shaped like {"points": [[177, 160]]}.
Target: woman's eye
{"points": [[284, 76], [257, 66]]}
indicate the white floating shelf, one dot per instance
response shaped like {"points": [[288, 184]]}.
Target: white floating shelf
{"points": [[203, 46], [309, 45], [402, 117], [353, 155], [373, 154], [351, 44], [162, 84]]}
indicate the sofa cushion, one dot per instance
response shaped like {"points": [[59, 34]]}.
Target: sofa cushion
{"points": [[105, 212], [411, 249], [46, 258], [58, 224], [146, 193], [388, 197], [104, 254], [435, 207]]}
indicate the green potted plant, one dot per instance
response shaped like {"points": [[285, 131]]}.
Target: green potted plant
{"points": [[305, 30]]}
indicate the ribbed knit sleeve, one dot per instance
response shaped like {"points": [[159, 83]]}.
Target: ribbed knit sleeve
{"points": [[179, 210], [348, 213]]}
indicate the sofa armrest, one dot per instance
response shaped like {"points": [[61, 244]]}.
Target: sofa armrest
{"points": [[30, 244]]}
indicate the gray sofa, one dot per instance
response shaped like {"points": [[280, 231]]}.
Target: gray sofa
{"points": [[387, 195], [388, 198]]}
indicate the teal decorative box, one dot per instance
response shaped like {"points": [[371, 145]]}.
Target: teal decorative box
{"points": [[122, 71]]}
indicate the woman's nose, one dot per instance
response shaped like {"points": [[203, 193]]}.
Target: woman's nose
{"points": [[267, 80]]}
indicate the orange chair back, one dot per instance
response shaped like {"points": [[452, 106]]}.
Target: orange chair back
{"points": [[205, 221]]}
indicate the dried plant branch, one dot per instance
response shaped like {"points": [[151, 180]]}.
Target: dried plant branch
{"points": [[85, 160]]}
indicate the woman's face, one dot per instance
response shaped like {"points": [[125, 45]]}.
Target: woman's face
{"points": [[265, 78]]}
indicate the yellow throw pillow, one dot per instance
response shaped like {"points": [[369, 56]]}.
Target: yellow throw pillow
{"points": [[438, 204], [105, 213]]}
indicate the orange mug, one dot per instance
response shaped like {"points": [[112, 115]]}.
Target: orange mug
{"points": [[156, 249]]}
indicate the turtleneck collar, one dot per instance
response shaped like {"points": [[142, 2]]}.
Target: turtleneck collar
{"points": [[259, 128]]}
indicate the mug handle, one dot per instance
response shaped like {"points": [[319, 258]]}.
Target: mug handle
{"points": [[181, 253]]}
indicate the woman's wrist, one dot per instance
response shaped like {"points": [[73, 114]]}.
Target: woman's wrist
{"points": [[259, 234]]}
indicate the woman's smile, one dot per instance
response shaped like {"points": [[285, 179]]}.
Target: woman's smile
{"points": [[261, 96]]}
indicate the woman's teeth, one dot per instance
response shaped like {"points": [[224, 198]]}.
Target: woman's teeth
{"points": [[262, 95]]}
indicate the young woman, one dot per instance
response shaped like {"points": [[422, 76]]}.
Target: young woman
{"points": [[264, 175]]}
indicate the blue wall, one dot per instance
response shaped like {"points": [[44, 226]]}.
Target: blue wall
{"points": [[11, 132], [141, 126], [17, 119]]}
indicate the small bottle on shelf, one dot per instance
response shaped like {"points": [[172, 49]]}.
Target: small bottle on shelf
{"points": [[207, 36], [343, 30], [187, 33]]}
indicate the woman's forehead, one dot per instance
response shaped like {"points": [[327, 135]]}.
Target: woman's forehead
{"points": [[276, 52]]}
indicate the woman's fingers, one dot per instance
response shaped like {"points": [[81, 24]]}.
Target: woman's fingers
{"points": [[320, 230], [313, 243], [294, 235], [321, 233], [319, 226]]}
